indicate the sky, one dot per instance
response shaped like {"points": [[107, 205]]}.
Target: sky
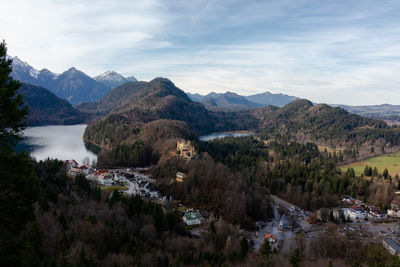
{"points": [[343, 52]]}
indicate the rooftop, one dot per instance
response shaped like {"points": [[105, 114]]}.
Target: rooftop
{"points": [[192, 215]]}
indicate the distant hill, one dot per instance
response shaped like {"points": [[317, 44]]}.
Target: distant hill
{"points": [[45, 108], [72, 85], [302, 121], [268, 98], [227, 101], [231, 101], [387, 112], [113, 79]]}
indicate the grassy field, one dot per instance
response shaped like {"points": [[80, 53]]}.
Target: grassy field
{"points": [[330, 149], [388, 161], [112, 188]]}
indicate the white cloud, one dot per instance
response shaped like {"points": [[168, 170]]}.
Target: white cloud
{"points": [[336, 52]]}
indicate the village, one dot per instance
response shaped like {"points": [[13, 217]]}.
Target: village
{"points": [[137, 181], [357, 218]]}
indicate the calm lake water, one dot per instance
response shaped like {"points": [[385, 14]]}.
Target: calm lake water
{"points": [[225, 134], [59, 142]]}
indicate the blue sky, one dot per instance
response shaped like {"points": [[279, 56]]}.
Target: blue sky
{"points": [[327, 51]]}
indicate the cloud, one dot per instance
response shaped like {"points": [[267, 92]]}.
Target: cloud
{"points": [[337, 51]]}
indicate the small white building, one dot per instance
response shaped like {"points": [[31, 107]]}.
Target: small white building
{"points": [[393, 213], [378, 213], [356, 214]]}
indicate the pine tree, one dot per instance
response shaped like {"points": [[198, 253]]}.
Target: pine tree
{"points": [[244, 247], [265, 249], [295, 258], [385, 173], [18, 184]]}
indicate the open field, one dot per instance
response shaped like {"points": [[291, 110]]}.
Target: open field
{"points": [[330, 149], [388, 161], [114, 187]]}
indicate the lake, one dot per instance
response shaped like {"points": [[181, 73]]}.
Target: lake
{"points": [[58, 142], [213, 136]]}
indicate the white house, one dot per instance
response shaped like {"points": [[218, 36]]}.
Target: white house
{"points": [[378, 213], [393, 213], [356, 214]]}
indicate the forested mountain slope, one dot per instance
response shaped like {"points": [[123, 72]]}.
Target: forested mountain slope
{"points": [[142, 102], [48, 109]]}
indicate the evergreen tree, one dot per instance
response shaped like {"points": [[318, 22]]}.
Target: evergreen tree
{"points": [[367, 171], [18, 185], [244, 247], [385, 173], [265, 249], [375, 172], [295, 258]]}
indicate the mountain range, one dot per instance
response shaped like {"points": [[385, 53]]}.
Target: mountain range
{"points": [[230, 101], [72, 85], [77, 87]]}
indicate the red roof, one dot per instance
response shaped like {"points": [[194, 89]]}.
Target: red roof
{"points": [[269, 235], [101, 171]]}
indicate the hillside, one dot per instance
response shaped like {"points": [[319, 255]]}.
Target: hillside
{"points": [[48, 109], [142, 102], [300, 120], [386, 112]]}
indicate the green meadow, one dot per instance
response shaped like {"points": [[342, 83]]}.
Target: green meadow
{"points": [[388, 161]]}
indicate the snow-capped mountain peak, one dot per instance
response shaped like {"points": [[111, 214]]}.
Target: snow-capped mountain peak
{"points": [[112, 79], [25, 67]]}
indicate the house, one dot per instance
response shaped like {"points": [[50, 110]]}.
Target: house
{"points": [[270, 237], [394, 210], [180, 176], [356, 214], [393, 213], [185, 149], [378, 213], [392, 246], [192, 218]]}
